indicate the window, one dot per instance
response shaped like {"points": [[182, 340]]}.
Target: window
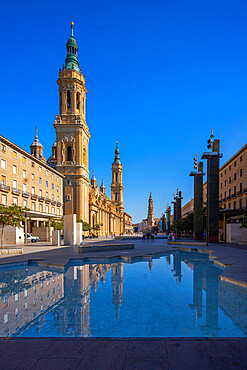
{"points": [[229, 192], [46, 195], [33, 164], [57, 198], [225, 172], [221, 185], [46, 172], [47, 209], [221, 174], [224, 195], [16, 297], [33, 190], [52, 186], [77, 100], [68, 100], [230, 180], [26, 306], [240, 172], [5, 318], [41, 297], [14, 184], [229, 205], [235, 163], [25, 293], [235, 176], [53, 210], [234, 204], [58, 212], [24, 203], [240, 203], [33, 206], [230, 167], [33, 177], [24, 188], [48, 293], [225, 182], [24, 160], [40, 181], [116, 177], [40, 193], [41, 207], [116, 196], [57, 178], [14, 154], [14, 169], [52, 176], [34, 288], [34, 301], [4, 199], [15, 201], [24, 174], [58, 189], [16, 312], [3, 147], [69, 154], [3, 164], [47, 184], [40, 169], [52, 197], [3, 180], [240, 158], [240, 187]]}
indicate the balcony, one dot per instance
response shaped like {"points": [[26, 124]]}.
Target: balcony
{"points": [[53, 202], [25, 194], [41, 199], [4, 187], [240, 192], [34, 196], [59, 204], [245, 190], [16, 191], [228, 198], [47, 200], [234, 195], [224, 199]]}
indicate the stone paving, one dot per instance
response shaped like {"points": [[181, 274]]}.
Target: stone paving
{"points": [[124, 354]]}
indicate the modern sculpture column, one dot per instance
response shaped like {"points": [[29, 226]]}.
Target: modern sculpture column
{"points": [[198, 199], [212, 189], [168, 218], [179, 204]]}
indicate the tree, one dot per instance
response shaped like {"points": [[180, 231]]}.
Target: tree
{"points": [[10, 216], [56, 224], [85, 225], [244, 224]]}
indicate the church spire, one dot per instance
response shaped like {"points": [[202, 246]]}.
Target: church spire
{"points": [[71, 61], [117, 158], [150, 211]]}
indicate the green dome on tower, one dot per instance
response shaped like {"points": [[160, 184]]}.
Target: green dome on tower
{"points": [[71, 61]]}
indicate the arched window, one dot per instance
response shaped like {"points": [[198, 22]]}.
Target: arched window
{"points": [[69, 154], [60, 100], [68, 99], [116, 196], [77, 100], [116, 177]]}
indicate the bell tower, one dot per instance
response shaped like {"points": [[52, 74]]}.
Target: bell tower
{"points": [[117, 181], [72, 134]]}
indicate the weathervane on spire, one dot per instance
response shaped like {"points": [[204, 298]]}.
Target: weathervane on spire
{"points": [[72, 27]]}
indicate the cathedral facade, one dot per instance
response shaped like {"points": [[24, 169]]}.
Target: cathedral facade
{"points": [[82, 197]]}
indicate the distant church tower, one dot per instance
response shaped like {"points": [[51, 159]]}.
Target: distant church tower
{"points": [[117, 181], [150, 220], [37, 148], [117, 286], [72, 135]]}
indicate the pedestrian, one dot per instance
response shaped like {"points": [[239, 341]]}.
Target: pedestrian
{"points": [[143, 236], [148, 235]]}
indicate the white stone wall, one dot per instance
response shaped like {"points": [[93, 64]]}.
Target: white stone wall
{"points": [[234, 233]]}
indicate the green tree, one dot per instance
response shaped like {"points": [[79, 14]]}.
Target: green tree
{"points": [[85, 225], [56, 224], [11, 216]]}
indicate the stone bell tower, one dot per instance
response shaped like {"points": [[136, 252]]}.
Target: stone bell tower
{"points": [[117, 181], [72, 135]]}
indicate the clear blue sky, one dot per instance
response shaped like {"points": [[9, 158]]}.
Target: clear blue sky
{"points": [[159, 74]]}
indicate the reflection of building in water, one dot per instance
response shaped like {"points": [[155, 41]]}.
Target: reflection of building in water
{"points": [[72, 316], [117, 286], [233, 302], [25, 296]]}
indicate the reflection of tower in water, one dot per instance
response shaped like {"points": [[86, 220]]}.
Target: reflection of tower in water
{"points": [[177, 266], [117, 286]]}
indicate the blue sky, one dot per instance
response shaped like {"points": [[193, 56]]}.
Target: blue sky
{"points": [[159, 74]]}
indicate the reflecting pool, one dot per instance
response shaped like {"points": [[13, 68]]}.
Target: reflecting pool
{"points": [[178, 295]]}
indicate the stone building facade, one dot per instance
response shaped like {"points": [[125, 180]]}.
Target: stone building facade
{"points": [[28, 181]]}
